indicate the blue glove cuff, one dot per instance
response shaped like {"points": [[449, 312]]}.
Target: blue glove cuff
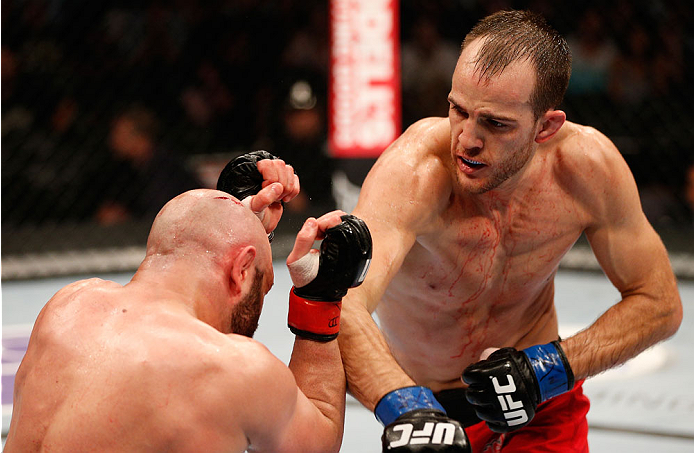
{"points": [[404, 400], [552, 370]]}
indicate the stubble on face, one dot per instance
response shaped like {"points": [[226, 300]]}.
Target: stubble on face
{"points": [[506, 155], [501, 171], [244, 319]]}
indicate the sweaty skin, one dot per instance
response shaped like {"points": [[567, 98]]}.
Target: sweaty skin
{"points": [[154, 366], [466, 251]]}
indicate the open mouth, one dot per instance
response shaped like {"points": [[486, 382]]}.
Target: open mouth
{"points": [[472, 164]]}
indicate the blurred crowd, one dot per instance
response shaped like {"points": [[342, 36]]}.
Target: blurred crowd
{"points": [[105, 103]]}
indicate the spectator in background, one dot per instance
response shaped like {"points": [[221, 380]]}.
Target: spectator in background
{"points": [[669, 62], [630, 82], [142, 176], [43, 162], [427, 64], [308, 45], [593, 54], [305, 27], [207, 103], [210, 72], [661, 205], [301, 141], [17, 112]]}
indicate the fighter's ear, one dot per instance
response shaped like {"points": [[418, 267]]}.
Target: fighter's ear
{"points": [[550, 123], [241, 266]]}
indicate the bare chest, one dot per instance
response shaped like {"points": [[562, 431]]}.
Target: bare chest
{"points": [[478, 281], [504, 253]]}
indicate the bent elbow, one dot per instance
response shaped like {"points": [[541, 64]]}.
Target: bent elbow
{"points": [[675, 318], [328, 435], [332, 444]]}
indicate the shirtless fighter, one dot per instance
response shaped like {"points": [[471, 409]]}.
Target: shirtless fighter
{"points": [[470, 216], [165, 363]]}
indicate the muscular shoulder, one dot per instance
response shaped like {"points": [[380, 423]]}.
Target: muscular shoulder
{"points": [[584, 146], [434, 131], [590, 167], [75, 295], [84, 286], [424, 147], [247, 376], [413, 174], [257, 358], [250, 365]]}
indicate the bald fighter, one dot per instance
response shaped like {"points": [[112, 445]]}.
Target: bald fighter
{"points": [[166, 362], [470, 217]]}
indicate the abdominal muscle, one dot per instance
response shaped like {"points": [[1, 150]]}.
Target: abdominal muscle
{"points": [[438, 316]]}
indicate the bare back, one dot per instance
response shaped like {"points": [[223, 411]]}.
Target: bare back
{"points": [[148, 366], [110, 366], [473, 269]]}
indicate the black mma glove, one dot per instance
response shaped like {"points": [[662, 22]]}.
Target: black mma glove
{"points": [[415, 422], [240, 177], [507, 387], [345, 255]]}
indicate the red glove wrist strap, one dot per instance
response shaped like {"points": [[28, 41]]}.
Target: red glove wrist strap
{"points": [[317, 317]]}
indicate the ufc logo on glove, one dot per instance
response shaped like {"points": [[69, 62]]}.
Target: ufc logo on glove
{"points": [[416, 423], [432, 433], [532, 375], [513, 410]]}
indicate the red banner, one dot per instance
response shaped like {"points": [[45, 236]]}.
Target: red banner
{"points": [[364, 100]]}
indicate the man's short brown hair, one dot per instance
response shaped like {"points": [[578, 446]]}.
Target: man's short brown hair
{"points": [[516, 35]]}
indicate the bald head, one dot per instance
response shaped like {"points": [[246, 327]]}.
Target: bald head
{"points": [[206, 224]]}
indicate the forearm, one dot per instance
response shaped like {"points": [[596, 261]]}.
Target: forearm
{"points": [[622, 332], [317, 368], [541, 372], [371, 369], [636, 261]]}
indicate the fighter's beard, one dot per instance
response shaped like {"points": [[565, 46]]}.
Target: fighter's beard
{"points": [[503, 172], [244, 319]]}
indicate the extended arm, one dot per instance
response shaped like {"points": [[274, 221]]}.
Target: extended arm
{"points": [[320, 280], [401, 198], [371, 369]]}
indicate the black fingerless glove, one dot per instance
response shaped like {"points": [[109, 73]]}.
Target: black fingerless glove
{"points": [[345, 254], [507, 387], [240, 177]]}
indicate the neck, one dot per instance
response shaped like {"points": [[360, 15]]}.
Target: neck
{"points": [[199, 288], [515, 187]]}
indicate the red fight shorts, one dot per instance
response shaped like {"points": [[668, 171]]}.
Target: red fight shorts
{"points": [[559, 425]]}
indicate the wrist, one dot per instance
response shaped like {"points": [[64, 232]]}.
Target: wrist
{"points": [[404, 400], [551, 368], [315, 320]]}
